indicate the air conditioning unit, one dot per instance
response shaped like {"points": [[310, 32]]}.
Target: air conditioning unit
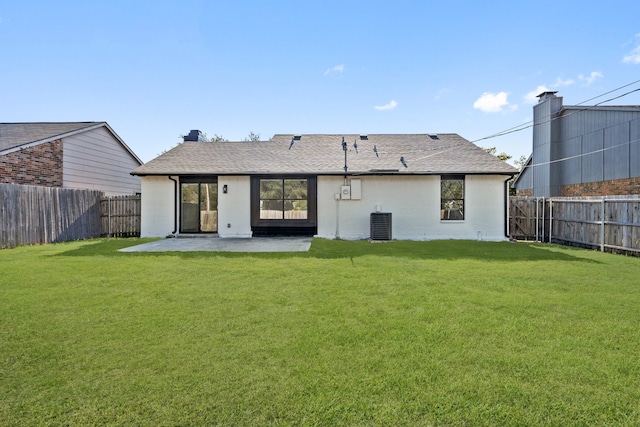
{"points": [[380, 226]]}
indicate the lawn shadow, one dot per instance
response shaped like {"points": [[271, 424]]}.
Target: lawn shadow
{"points": [[336, 249], [448, 250], [104, 247]]}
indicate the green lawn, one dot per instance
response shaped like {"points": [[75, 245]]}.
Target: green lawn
{"points": [[438, 333]]}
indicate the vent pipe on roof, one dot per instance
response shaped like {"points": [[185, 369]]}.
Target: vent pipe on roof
{"points": [[195, 136]]}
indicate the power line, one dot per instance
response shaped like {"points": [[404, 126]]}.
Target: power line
{"points": [[607, 93], [530, 124], [601, 150]]}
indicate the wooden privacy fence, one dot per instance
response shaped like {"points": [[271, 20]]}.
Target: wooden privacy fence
{"points": [[608, 223], [36, 215], [529, 218], [33, 215], [120, 216]]}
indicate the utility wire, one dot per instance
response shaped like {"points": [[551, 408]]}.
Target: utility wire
{"points": [[607, 93], [601, 150], [530, 124]]}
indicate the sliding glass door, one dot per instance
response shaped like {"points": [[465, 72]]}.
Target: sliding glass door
{"points": [[199, 205]]}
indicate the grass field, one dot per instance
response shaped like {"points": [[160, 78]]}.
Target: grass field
{"points": [[351, 333]]}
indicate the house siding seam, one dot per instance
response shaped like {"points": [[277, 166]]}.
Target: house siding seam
{"points": [[38, 165], [96, 160]]}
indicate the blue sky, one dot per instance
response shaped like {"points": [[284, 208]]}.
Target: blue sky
{"points": [[155, 70]]}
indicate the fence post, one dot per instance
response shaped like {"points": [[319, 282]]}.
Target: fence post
{"points": [[602, 234], [544, 211], [537, 215], [109, 216], [550, 219]]}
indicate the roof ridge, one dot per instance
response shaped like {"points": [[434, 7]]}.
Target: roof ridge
{"points": [[51, 123]]}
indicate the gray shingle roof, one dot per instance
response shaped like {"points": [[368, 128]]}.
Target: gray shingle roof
{"points": [[323, 155], [17, 134]]}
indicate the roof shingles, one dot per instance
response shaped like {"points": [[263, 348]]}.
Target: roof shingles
{"points": [[17, 134], [322, 154]]}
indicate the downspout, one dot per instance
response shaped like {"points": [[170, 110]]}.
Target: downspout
{"points": [[337, 217], [506, 211], [175, 205]]}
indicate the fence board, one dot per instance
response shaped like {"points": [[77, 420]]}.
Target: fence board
{"points": [[529, 218], [120, 216], [32, 215], [608, 223]]}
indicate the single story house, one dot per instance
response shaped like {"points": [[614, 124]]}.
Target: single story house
{"points": [[77, 155], [417, 187], [582, 150]]}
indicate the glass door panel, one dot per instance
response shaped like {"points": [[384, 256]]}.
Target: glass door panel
{"points": [[209, 207], [198, 207], [189, 209]]}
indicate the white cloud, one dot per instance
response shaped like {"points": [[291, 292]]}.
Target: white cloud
{"points": [[390, 106], [632, 57], [492, 102], [337, 69], [532, 97], [560, 82], [595, 75]]}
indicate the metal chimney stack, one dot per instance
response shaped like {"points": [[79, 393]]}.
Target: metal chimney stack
{"points": [[194, 136], [546, 95]]}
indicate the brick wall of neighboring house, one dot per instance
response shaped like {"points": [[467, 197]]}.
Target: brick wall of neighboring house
{"points": [[38, 165], [525, 193], [618, 187]]}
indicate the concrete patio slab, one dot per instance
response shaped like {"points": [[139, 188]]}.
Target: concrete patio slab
{"points": [[216, 244]]}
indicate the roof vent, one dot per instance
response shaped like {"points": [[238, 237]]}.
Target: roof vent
{"points": [[434, 136], [297, 137], [364, 137]]}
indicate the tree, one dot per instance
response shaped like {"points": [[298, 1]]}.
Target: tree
{"points": [[252, 137], [520, 162], [502, 156], [218, 138]]}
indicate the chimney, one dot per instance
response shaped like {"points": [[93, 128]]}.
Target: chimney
{"points": [[194, 136], [546, 95]]}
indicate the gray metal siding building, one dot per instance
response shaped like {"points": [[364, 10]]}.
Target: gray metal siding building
{"points": [[576, 145]]}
